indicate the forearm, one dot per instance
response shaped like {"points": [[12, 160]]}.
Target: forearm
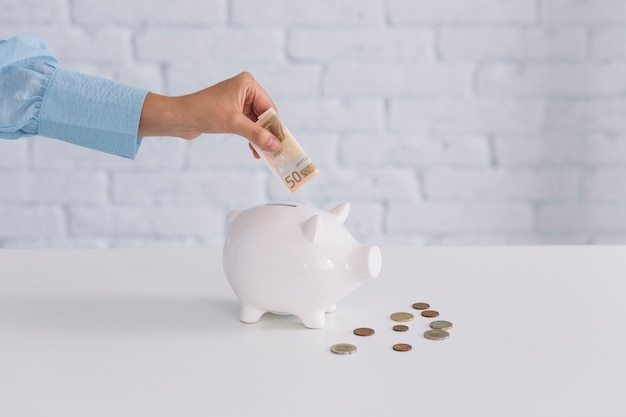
{"points": [[37, 97], [92, 112], [166, 116]]}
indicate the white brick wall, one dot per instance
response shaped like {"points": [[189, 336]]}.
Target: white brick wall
{"points": [[441, 121]]}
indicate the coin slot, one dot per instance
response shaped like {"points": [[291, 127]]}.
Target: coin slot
{"points": [[282, 204]]}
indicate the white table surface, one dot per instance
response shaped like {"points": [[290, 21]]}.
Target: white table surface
{"points": [[538, 331]]}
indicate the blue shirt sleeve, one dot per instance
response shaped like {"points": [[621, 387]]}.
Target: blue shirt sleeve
{"points": [[37, 97]]}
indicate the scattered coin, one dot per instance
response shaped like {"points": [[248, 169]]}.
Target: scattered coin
{"points": [[400, 328], [436, 334], [440, 325], [402, 347], [430, 313], [421, 306], [402, 317], [343, 349], [363, 331]]}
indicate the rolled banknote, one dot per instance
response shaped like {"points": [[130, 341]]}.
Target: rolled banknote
{"points": [[290, 163]]}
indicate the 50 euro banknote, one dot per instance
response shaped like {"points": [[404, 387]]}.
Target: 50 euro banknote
{"points": [[290, 164]]}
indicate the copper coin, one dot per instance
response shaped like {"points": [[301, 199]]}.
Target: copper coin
{"points": [[400, 328], [402, 317], [430, 313], [363, 331], [343, 349], [402, 347], [421, 306], [440, 325]]}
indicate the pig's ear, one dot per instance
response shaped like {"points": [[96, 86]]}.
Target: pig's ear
{"points": [[232, 216], [312, 227], [341, 211]]}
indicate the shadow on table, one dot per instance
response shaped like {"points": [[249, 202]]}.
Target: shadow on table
{"points": [[120, 313]]}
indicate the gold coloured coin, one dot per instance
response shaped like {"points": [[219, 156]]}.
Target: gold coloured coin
{"points": [[440, 325], [436, 334], [402, 317], [343, 349], [421, 306], [430, 313], [363, 331], [400, 328], [402, 347]]}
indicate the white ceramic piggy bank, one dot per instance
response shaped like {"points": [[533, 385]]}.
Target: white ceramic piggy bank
{"points": [[294, 259]]}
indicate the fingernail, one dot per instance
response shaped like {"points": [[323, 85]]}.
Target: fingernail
{"points": [[273, 144]]}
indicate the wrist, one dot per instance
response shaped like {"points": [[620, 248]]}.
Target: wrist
{"points": [[165, 116]]}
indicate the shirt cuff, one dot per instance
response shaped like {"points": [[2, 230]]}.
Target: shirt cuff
{"points": [[92, 112]]}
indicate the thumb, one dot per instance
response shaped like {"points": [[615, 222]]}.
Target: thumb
{"points": [[256, 134]]}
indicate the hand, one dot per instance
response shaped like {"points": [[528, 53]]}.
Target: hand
{"points": [[231, 106]]}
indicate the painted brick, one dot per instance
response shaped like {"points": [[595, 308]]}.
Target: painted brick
{"points": [[217, 152], [51, 187], [371, 44], [605, 184], [159, 242], [31, 222], [113, 46], [301, 13], [36, 242], [461, 11], [279, 79], [76, 47], [167, 44], [560, 149], [157, 12], [582, 217], [475, 115], [454, 218], [583, 11], [356, 186], [608, 43], [14, 154], [586, 115], [474, 185], [546, 80], [189, 189], [510, 43], [141, 222], [198, 45], [414, 150], [154, 153], [397, 80], [32, 11], [510, 239], [607, 240], [332, 115]]}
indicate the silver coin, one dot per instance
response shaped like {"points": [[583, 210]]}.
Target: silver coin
{"points": [[436, 334], [343, 349], [440, 325]]}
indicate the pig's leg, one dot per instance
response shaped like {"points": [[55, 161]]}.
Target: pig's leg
{"points": [[331, 309], [249, 314], [313, 319]]}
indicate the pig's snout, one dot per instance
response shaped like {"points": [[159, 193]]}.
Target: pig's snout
{"points": [[370, 261]]}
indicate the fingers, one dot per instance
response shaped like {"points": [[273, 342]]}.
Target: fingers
{"points": [[256, 99], [254, 152], [256, 134]]}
